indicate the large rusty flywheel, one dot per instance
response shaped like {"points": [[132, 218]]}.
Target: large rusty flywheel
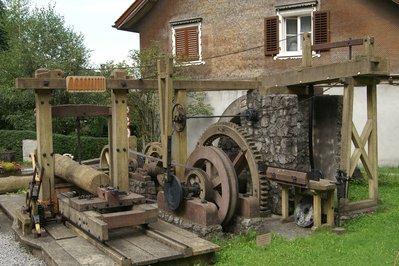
{"points": [[245, 157], [221, 186]]}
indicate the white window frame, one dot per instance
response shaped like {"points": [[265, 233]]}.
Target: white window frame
{"points": [[188, 25], [282, 15]]}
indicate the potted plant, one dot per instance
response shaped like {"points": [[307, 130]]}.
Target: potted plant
{"points": [[8, 168]]}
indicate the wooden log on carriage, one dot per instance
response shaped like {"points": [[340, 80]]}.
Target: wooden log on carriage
{"points": [[85, 177]]}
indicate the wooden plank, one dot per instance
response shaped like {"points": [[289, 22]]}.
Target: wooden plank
{"points": [[139, 215], [159, 250], [10, 202], [81, 110], [291, 177], [88, 220], [358, 205], [137, 255], [98, 203], [328, 73], [84, 252], [57, 254], [120, 259], [173, 243], [59, 231], [198, 245], [322, 185]]}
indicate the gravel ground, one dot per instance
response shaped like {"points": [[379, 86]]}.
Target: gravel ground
{"points": [[11, 250]]}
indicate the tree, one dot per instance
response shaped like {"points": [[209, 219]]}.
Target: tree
{"points": [[144, 105], [37, 38], [3, 34]]}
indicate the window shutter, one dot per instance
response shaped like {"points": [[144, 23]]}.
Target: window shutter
{"points": [[192, 44], [271, 36], [321, 27], [187, 44]]}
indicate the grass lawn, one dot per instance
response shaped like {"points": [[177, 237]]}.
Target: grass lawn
{"points": [[372, 239]]}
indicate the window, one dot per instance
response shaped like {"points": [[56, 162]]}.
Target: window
{"points": [[186, 37], [283, 33]]}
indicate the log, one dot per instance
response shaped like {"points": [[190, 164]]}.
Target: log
{"points": [[85, 177], [14, 183]]}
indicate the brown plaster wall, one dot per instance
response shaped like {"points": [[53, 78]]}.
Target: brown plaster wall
{"points": [[232, 25]]}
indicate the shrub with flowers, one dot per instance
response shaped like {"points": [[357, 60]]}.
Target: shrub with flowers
{"points": [[9, 167]]}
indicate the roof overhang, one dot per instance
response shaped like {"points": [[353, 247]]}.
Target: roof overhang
{"points": [[131, 17]]}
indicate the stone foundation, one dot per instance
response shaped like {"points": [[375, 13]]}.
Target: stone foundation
{"points": [[145, 188]]}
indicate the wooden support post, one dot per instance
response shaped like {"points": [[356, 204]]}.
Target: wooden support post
{"points": [[180, 138], [306, 50], [166, 93], [346, 130], [316, 209], [368, 47], [373, 139], [284, 202], [330, 207], [44, 130], [120, 143]]}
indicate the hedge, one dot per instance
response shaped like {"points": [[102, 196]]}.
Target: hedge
{"points": [[90, 146]]}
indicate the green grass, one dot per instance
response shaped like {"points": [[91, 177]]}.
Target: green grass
{"points": [[372, 239]]}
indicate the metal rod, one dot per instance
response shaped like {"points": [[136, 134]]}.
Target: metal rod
{"points": [[214, 116], [78, 150]]}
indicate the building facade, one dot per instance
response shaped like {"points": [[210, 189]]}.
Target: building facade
{"points": [[222, 39]]}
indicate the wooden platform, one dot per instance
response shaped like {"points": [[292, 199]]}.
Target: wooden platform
{"points": [[159, 243]]}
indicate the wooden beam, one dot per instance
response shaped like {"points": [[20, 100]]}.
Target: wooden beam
{"points": [[346, 130], [131, 84], [180, 138], [80, 110], [44, 131], [120, 142], [361, 66], [373, 139]]}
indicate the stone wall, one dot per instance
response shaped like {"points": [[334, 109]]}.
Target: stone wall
{"points": [[281, 133]]}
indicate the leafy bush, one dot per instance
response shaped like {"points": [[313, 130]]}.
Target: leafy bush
{"points": [[90, 146]]}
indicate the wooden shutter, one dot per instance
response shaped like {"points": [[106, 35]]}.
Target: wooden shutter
{"points": [[271, 36], [187, 44], [321, 27]]}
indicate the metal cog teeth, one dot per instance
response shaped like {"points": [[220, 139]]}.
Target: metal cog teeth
{"points": [[222, 129]]}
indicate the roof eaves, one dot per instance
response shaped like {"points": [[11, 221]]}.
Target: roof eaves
{"points": [[129, 19]]}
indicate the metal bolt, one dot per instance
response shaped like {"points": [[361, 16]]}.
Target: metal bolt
{"points": [[46, 83], [123, 84]]}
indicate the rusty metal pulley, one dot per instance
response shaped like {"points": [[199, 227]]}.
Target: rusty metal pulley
{"points": [[179, 117], [222, 179], [201, 179]]}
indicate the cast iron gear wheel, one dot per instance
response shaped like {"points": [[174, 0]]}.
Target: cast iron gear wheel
{"points": [[247, 158]]}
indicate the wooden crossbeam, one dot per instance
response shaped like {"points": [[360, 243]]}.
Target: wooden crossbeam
{"points": [[360, 152], [361, 67], [190, 85]]}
